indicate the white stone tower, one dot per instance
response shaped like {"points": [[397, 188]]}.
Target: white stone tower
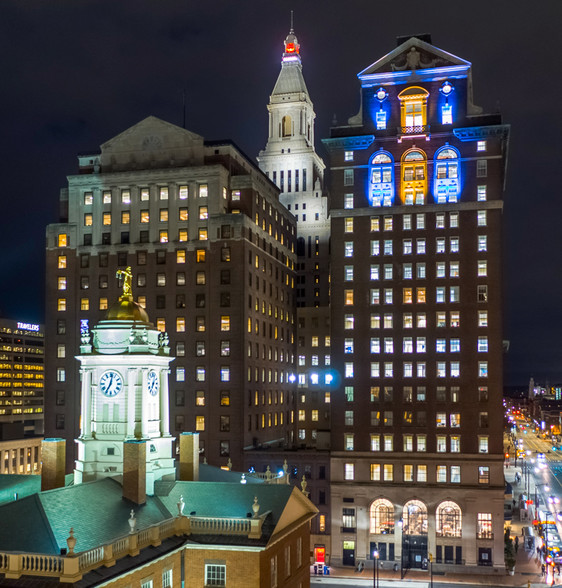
{"points": [[124, 366], [291, 162]]}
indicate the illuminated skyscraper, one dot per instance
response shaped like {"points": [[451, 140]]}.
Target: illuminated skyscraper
{"points": [[212, 252], [416, 209]]}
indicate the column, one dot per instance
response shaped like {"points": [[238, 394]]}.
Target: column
{"points": [[131, 402], [164, 403], [86, 375], [144, 403]]}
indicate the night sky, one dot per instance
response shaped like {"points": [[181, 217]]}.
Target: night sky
{"points": [[75, 73]]}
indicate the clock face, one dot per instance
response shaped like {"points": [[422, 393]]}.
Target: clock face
{"points": [[111, 383], [153, 382]]}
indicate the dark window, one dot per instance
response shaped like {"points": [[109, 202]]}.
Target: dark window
{"points": [[141, 280], [125, 237], [122, 259], [225, 299], [225, 232], [103, 258], [60, 422], [106, 238], [179, 422], [180, 398], [60, 398], [141, 257], [61, 327], [321, 497], [88, 239], [102, 281], [161, 256], [143, 238], [84, 282], [225, 448], [225, 277], [225, 423], [180, 300], [321, 472], [200, 300], [225, 254], [161, 301], [85, 260]]}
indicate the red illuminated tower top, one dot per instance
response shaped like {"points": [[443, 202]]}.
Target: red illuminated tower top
{"points": [[292, 48]]}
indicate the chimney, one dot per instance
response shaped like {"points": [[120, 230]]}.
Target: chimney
{"points": [[189, 457], [53, 457], [134, 471]]}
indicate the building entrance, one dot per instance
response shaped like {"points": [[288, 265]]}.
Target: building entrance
{"points": [[348, 558], [414, 552]]}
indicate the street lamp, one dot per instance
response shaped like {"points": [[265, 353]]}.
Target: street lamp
{"points": [[375, 568], [431, 570]]}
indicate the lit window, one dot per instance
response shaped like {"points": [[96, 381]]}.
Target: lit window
{"points": [[446, 182], [125, 217], [447, 114], [375, 224], [455, 369], [407, 246], [483, 474], [107, 218], [482, 243], [107, 197], [348, 297], [482, 293], [388, 296], [381, 189], [483, 444], [199, 423], [413, 109], [387, 272], [375, 370], [144, 194], [348, 345], [408, 369], [388, 223], [454, 294], [180, 256], [407, 297], [421, 443], [388, 443], [482, 369], [62, 240], [388, 472], [440, 294], [348, 442], [441, 369], [388, 370], [440, 269], [225, 374], [180, 324], [348, 200], [375, 321], [61, 304], [348, 273], [482, 344], [455, 444], [203, 234], [454, 244], [441, 319], [163, 236], [441, 443], [421, 473], [348, 249], [349, 471], [481, 146], [440, 245], [163, 215], [163, 192], [348, 224], [89, 219], [420, 246], [482, 318], [420, 295], [61, 283], [454, 269], [482, 268], [441, 473], [388, 247], [481, 194], [414, 185], [481, 218], [103, 304], [407, 271], [348, 177], [84, 304], [88, 198], [225, 323], [144, 216]]}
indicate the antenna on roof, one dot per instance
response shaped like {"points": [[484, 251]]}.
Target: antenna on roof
{"points": [[291, 21], [183, 108]]}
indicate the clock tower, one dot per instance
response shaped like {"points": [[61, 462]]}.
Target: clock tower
{"points": [[124, 364]]}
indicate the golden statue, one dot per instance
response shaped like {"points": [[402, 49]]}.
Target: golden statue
{"points": [[127, 276]]}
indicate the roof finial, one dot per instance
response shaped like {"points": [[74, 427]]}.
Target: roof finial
{"points": [[292, 30]]}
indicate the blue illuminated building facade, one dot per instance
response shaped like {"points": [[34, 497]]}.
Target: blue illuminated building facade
{"points": [[417, 181]]}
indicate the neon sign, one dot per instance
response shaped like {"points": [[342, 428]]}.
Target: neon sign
{"points": [[28, 327]]}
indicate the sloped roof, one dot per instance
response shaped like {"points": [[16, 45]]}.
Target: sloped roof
{"points": [[290, 80]]}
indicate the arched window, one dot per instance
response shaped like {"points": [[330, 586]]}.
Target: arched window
{"points": [[446, 181], [381, 189], [286, 126], [414, 518], [382, 517], [413, 105], [414, 174], [449, 520]]}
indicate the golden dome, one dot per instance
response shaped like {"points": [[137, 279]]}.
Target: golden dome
{"points": [[126, 309]]}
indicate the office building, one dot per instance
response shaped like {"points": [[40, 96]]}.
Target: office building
{"points": [[417, 182], [212, 251], [22, 379]]}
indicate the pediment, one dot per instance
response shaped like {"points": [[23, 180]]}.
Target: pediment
{"points": [[152, 139], [412, 55]]}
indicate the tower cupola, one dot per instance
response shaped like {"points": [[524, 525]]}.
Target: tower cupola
{"points": [[292, 48]]}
